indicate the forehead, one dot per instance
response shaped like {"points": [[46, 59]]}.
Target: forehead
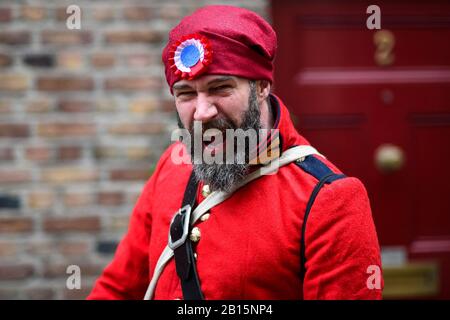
{"points": [[207, 80]]}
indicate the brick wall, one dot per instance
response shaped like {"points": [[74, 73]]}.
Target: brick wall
{"points": [[84, 116]]}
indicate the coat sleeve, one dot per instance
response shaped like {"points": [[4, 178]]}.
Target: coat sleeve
{"points": [[341, 245], [127, 276]]}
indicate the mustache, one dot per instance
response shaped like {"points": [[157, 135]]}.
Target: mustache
{"points": [[220, 124]]}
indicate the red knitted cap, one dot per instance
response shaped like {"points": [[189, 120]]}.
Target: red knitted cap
{"points": [[222, 40]]}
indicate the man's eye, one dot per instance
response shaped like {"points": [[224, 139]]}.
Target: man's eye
{"points": [[219, 88], [186, 93]]}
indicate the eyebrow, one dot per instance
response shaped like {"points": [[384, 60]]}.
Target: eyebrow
{"points": [[214, 81]]}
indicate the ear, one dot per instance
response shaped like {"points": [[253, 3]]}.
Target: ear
{"points": [[262, 89]]}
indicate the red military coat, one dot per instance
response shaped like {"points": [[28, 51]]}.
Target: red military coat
{"points": [[250, 245]]}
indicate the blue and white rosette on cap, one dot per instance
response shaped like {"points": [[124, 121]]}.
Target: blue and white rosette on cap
{"points": [[190, 56]]}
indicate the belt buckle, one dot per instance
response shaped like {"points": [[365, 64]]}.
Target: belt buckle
{"points": [[186, 211]]}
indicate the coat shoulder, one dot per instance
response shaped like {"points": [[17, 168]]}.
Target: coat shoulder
{"points": [[310, 170]]}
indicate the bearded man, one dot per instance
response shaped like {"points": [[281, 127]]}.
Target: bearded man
{"points": [[278, 221]]}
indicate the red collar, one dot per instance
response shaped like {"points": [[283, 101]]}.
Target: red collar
{"points": [[282, 136]]}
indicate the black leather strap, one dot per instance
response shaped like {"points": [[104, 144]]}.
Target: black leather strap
{"points": [[184, 253]]}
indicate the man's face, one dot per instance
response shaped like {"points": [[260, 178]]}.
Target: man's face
{"points": [[222, 103], [219, 102], [211, 97]]}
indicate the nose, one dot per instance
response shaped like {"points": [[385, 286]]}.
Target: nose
{"points": [[205, 109]]}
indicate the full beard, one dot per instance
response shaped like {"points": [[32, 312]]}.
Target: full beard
{"points": [[223, 176]]}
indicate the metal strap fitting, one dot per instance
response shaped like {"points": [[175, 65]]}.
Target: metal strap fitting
{"points": [[184, 213]]}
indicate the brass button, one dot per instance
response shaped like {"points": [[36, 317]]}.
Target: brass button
{"points": [[205, 190], [195, 234], [205, 217]]}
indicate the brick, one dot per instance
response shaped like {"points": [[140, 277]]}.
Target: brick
{"points": [[75, 106], [72, 199], [119, 224], [5, 14], [78, 294], [138, 153], [68, 153], [8, 249], [38, 153], [74, 248], [13, 82], [5, 107], [106, 247], [70, 60], [9, 201], [40, 199], [106, 105], [39, 106], [15, 224], [129, 174], [106, 152], [143, 105], [55, 270], [16, 271], [110, 198], [33, 13], [83, 224], [59, 269], [14, 176], [140, 60], [132, 83], [64, 83], [62, 15], [42, 248], [141, 128], [39, 60], [69, 37], [170, 11], [103, 60], [66, 129], [6, 154], [103, 13], [11, 293], [40, 293], [69, 174], [15, 37], [5, 60], [133, 36], [137, 13]]}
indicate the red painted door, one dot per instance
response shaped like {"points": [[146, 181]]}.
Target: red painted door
{"points": [[377, 104]]}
